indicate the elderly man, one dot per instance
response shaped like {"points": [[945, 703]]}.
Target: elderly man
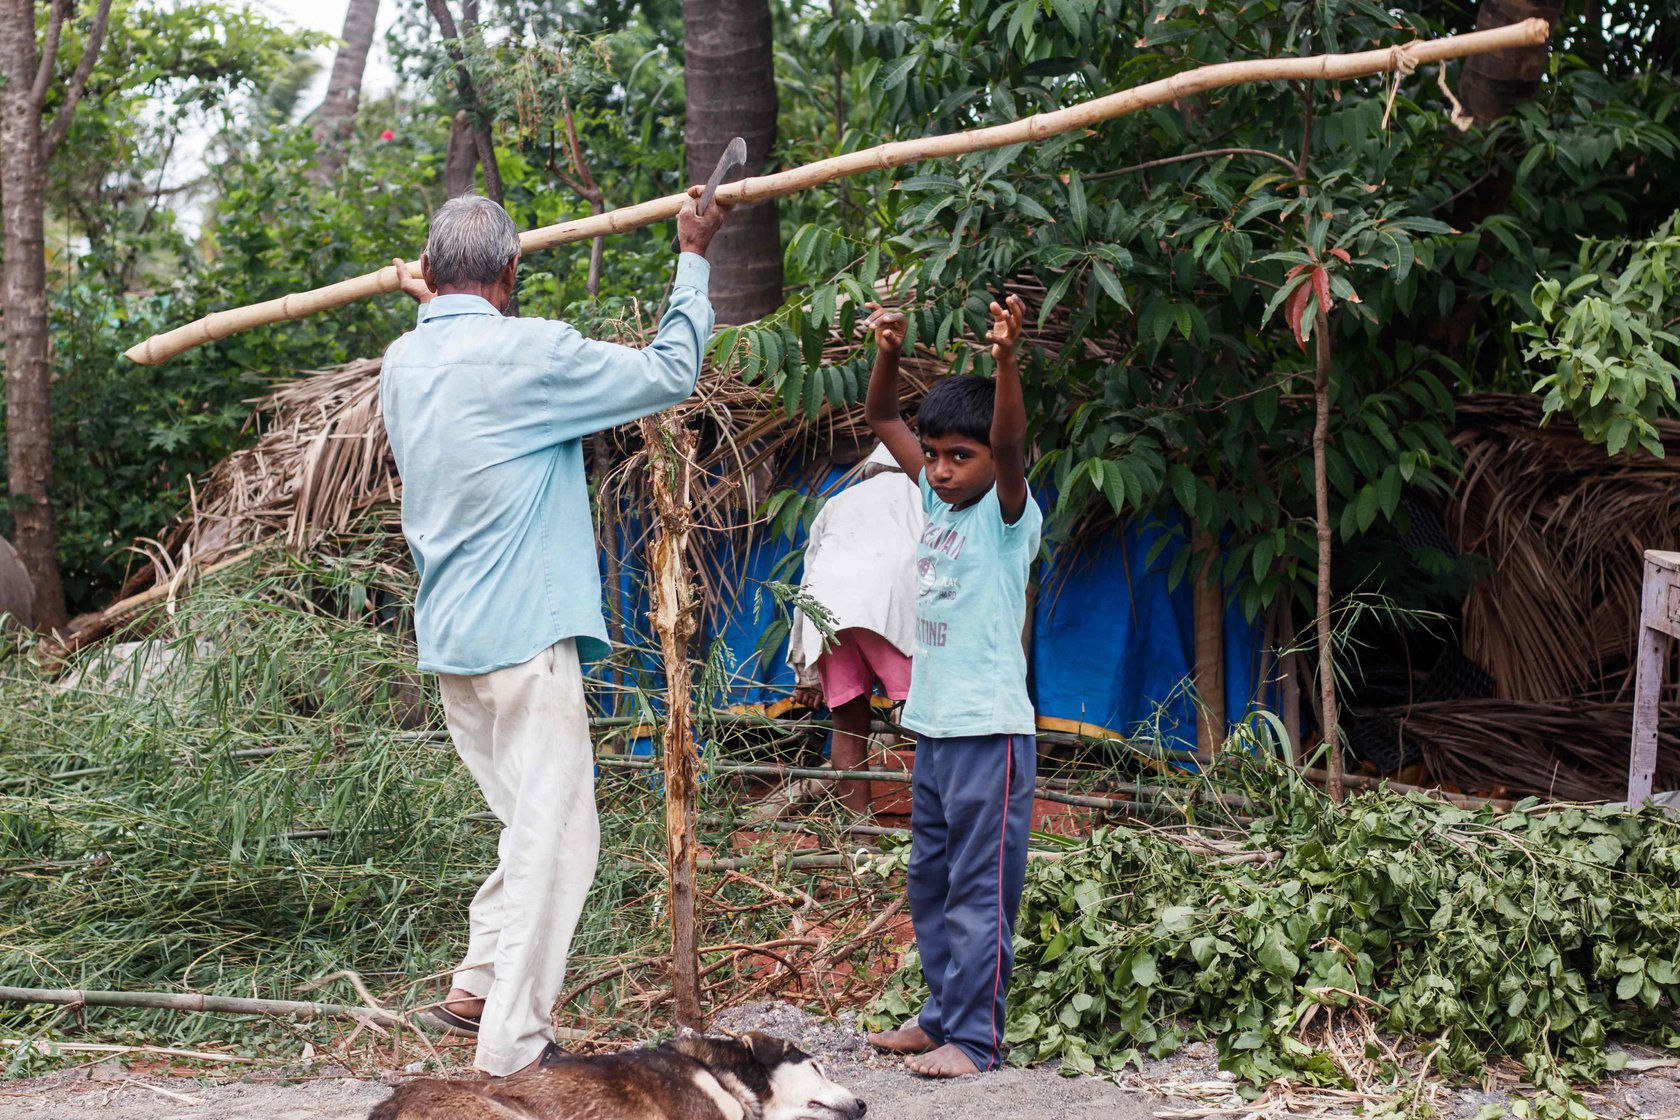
{"points": [[485, 416]]}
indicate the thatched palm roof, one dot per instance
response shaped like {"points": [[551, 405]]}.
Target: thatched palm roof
{"points": [[1564, 527]]}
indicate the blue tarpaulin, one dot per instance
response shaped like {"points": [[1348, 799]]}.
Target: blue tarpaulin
{"points": [[1111, 644]]}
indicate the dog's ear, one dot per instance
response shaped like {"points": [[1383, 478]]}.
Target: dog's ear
{"points": [[684, 1040], [767, 1050]]}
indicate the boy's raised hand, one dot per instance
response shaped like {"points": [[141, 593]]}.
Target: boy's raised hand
{"points": [[1009, 412], [881, 404], [889, 327], [1006, 326]]}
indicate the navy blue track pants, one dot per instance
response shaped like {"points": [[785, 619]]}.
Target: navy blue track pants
{"points": [[970, 813]]}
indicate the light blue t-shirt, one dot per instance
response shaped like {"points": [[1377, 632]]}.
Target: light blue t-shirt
{"points": [[486, 416], [969, 674]]}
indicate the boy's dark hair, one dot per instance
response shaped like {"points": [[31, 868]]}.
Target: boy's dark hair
{"points": [[959, 406]]}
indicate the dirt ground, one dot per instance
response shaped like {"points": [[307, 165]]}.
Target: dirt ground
{"points": [[1187, 1086]]}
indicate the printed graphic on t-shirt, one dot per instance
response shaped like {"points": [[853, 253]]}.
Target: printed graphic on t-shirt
{"points": [[930, 584]]}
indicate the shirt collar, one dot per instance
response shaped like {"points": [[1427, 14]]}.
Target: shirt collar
{"points": [[458, 303]]}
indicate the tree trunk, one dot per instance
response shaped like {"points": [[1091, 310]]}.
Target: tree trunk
{"points": [[336, 117], [483, 141], [1492, 85], [460, 165], [1321, 492], [730, 83], [1208, 612], [23, 288], [671, 449]]}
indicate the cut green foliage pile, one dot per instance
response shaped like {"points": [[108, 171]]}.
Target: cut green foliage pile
{"points": [[1541, 934], [258, 796], [230, 808]]}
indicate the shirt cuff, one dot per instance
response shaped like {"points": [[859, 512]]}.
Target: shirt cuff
{"points": [[693, 271]]}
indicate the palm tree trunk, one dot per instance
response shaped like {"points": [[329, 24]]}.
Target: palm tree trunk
{"points": [[730, 81], [23, 289], [460, 165], [1493, 85], [336, 117]]}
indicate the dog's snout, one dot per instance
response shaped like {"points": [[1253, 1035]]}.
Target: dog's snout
{"points": [[862, 1107]]}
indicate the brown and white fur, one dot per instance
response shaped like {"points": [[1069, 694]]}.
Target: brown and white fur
{"points": [[693, 1077]]}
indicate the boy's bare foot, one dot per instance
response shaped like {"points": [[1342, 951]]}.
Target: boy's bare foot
{"points": [[908, 1039], [947, 1061]]}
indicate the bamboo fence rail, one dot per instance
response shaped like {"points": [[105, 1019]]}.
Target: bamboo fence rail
{"points": [[1403, 58]]}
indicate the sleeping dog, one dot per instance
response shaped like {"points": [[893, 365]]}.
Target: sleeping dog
{"points": [[693, 1077]]}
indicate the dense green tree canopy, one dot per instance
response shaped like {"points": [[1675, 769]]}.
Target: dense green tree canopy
{"points": [[1170, 380], [1171, 240]]}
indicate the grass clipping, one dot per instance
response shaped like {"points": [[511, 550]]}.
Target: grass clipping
{"points": [[1538, 934], [233, 806]]}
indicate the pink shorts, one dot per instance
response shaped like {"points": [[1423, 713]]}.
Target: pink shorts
{"points": [[857, 661]]}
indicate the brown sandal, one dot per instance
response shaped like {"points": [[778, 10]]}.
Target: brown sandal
{"points": [[439, 1020]]}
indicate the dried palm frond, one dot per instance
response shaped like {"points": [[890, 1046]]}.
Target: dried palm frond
{"points": [[1563, 526], [1573, 750]]}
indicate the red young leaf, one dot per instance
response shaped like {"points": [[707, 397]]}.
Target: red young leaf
{"points": [[1295, 309], [1321, 284], [1342, 253]]}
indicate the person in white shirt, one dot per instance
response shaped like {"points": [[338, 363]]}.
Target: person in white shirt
{"points": [[860, 564]]}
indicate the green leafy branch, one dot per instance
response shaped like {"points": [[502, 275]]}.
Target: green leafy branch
{"points": [[1607, 343]]}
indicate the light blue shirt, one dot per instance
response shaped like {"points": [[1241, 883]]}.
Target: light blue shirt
{"points": [[486, 417], [969, 673]]}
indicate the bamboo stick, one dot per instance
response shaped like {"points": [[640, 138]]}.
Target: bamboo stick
{"points": [[52, 1048], [189, 1001], [377, 1017], [1326, 67]]}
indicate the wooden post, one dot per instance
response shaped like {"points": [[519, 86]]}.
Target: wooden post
{"points": [[1659, 623], [670, 452], [1289, 658], [1207, 608]]}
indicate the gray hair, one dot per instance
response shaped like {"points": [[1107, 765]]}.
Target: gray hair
{"points": [[472, 239]]}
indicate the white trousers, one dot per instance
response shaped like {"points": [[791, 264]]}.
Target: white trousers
{"points": [[523, 732]]}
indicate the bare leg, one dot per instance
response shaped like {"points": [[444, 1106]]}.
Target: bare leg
{"points": [[464, 1003], [947, 1061], [850, 750], [908, 1039]]}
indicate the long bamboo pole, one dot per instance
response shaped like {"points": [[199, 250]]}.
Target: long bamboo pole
{"points": [[1325, 67]]}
